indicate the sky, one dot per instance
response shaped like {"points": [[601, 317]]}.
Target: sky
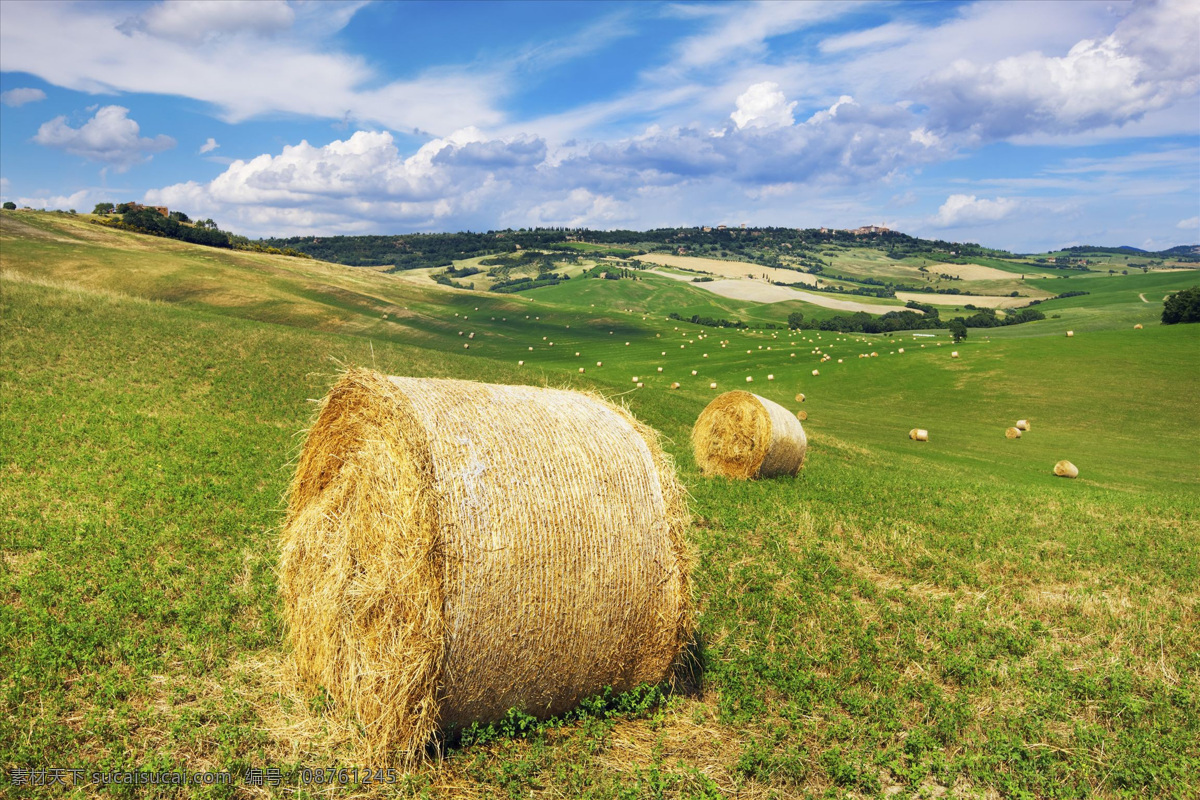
{"points": [[1026, 126]]}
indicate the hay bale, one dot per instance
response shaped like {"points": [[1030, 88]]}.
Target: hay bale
{"points": [[1070, 334], [1137, 327], [802, 415], [1012, 433], [455, 549], [954, 354], [675, 385], [712, 385], [816, 372], [919, 435], [1022, 424], [742, 435], [1065, 469], [800, 398]]}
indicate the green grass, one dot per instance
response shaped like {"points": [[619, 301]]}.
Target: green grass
{"points": [[901, 616]]}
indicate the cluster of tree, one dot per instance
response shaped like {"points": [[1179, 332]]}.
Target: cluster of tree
{"points": [[987, 318], [1183, 306], [147, 220], [526, 283], [446, 280], [711, 322], [612, 273]]}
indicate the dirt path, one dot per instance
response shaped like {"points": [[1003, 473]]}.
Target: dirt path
{"points": [[1144, 300]]}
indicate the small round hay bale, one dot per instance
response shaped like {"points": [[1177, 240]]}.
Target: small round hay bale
{"points": [[1012, 433], [635, 379], [466, 346], [749, 379], [712, 385], [693, 372], [1137, 327], [1065, 469], [901, 350], [800, 398], [520, 363], [639, 385], [919, 435], [802, 415], [741, 435], [954, 354], [1022, 424], [675, 385], [660, 369], [1070, 334], [816, 372], [770, 377], [599, 363], [581, 370], [425, 587]]}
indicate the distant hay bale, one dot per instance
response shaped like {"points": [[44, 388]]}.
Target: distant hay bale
{"points": [[919, 435], [749, 379], [712, 385], [581, 370], [675, 385], [693, 372], [1070, 334], [639, 385], [425, 587], [802, 415], [770, 377], [742, 435], [816, 372], [1022, 424], [1012, 433], [1137, 327], [954, 354], [466, 345], [800, 398], [660, 369], [520, 363], [1065, 469]]}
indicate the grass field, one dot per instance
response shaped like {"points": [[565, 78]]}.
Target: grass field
{"points": [[902, 618]]}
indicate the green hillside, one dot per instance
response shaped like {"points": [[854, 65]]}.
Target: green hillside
{"points": [[918, 619]]}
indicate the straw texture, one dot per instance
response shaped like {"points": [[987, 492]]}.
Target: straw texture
{"points": [[742, 435], [455, 549], [1012, 433], [919, 435], [1065, 469]]}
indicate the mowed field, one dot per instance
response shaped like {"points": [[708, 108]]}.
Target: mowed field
{"points": [[901, 619]]}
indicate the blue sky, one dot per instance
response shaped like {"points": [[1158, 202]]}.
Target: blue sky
{"points": [[1020, 125]]}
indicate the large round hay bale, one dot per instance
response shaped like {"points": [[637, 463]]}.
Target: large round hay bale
{"points": [[1012, 433], [1065, 469], [455, 549], [919, 435], [802, 415], [1022, 424], [742, 435]]}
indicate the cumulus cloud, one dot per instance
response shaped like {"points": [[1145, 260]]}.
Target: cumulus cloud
{"points": [[110, 137], [1147, 63], [1189, 224], [209, 146], [63, 202], [967, 209], [762, 106], [19, 97]]}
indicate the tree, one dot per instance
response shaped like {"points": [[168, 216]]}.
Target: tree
{"points": [[958, 329], [124, 208], [179, 216], [795, 319], [103, 208], [10, 205], [1183, 306]]}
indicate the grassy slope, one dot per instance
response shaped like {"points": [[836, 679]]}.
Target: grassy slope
{"points": [[918, 616]]}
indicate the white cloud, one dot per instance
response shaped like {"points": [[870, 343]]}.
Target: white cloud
{"points": [[110, 137], [77, 200], [197, 20], [763, 106], [964, 209], [19, 97], [243, 74], [889, 34], [739, 30], [1150, 61], [1189, 224], [209, 146]]}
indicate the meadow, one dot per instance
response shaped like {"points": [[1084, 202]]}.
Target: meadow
{"points": [[900, 619]]}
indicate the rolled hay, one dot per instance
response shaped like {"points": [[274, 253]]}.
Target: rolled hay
{"points": [[1012, 433], [1070, 334], [800, 398], [1137, 327], [919, 435], [1022, 424], [455, 549], [802, 415], [954, 354], [675, 385], [816, 372], [1065, 469], [742, 435]]}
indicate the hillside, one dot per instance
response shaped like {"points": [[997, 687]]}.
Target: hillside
{"points": [[940, 618]]}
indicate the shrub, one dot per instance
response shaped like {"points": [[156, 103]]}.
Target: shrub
{"points": [[1183, 306]]}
